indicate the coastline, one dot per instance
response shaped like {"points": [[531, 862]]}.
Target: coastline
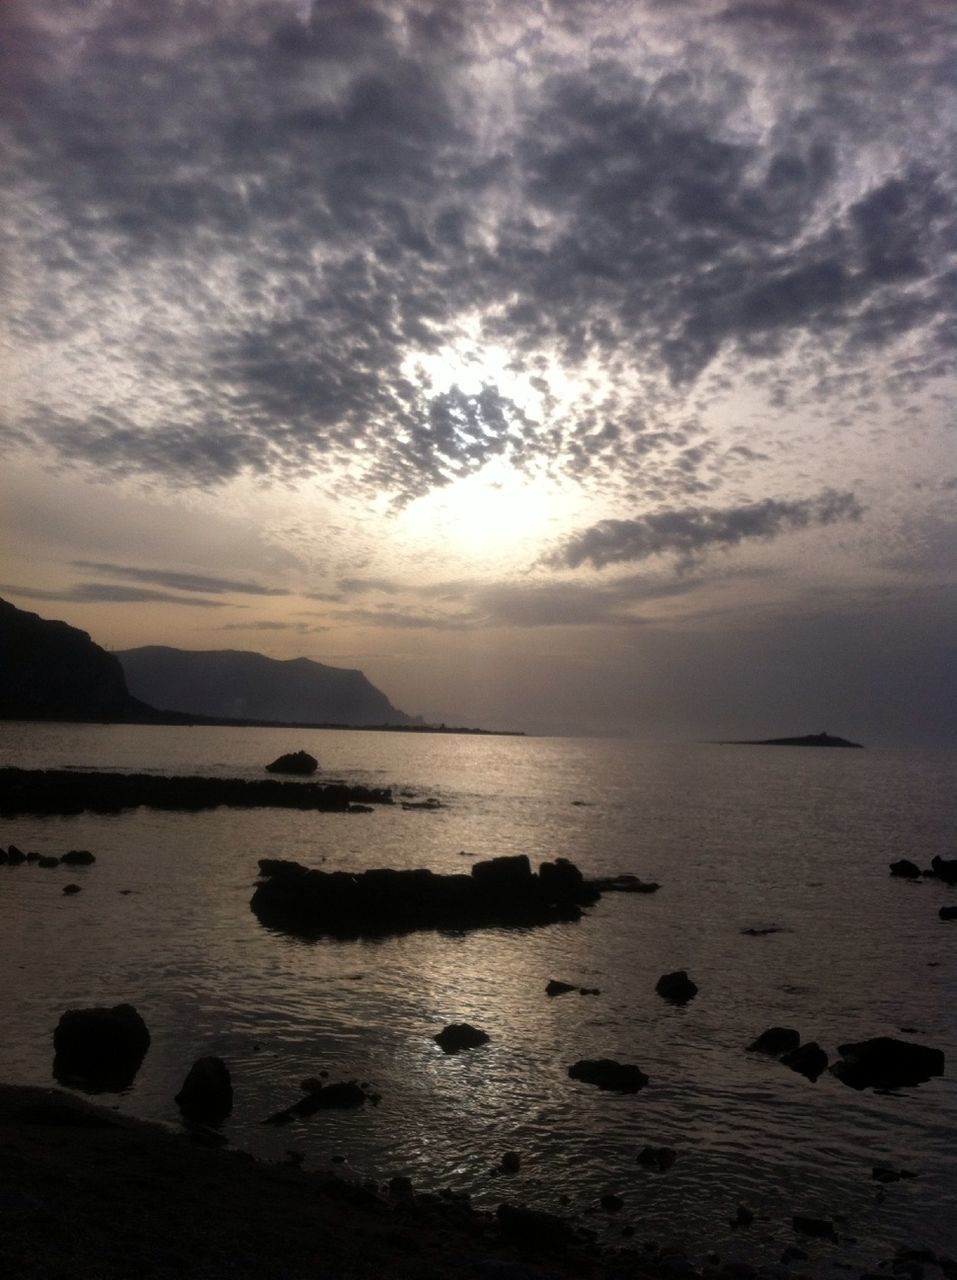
{"points": [[86, 1192]]}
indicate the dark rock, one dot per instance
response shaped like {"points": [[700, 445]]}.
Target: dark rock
{"points": [[300, 762], [906, 869], [532, 1227], [401, 1188], [343, 1096], [556, 988], [793, 1254], [78, 858], [948, 913], [589, 991], [743, 1217], [361, 808], [70, 889], [70, 791], [819, 1227], [611, 1203], [761, 931], [809, 1059], [775, 1041], [47, 860], [3, 856], [15, 856], [500, 893], [561, 881], [511, 1162], [658, 1158], [459, 1035], [944, 869], [207, 1092], [625, 884], [431, 803], [99, 1049], [676, 987], [886, 1063], [33, 857], [605, 1073]]}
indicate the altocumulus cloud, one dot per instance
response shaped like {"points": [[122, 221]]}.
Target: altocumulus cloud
{"points": [[689, 534], [257, 233]]}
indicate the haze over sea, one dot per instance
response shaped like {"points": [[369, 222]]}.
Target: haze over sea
{"points": [[739, 838]]}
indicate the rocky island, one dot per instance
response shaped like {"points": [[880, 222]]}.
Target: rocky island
{"points": [[807, 740]]}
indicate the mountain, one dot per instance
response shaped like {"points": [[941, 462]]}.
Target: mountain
{"points": [[235, 684], [52, 671]]}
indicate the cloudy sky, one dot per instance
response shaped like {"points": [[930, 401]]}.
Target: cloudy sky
{"points": [[572, 365]]}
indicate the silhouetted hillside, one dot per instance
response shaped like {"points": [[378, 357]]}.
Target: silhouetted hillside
{"points": [[234, 684], [52, 671]]}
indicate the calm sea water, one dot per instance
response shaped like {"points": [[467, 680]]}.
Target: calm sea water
{"points": [[738, 837]]}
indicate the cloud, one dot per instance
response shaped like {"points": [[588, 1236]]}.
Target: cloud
{"points": [[181, 581], [107, 593], [269, 240], [689, 534]]}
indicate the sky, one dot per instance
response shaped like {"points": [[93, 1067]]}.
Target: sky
{"points": [[573, 366]]}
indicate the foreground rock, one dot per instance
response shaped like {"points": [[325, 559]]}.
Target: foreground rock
{"points": [[944, 868], [343, 1095], [69, 791], [886, 1063], [775, 1041], [300, 762], [605, 1073], [207, 1093], [503, 893], [808, 1060], [460, 1035], [99, 1049], [905, 869]]}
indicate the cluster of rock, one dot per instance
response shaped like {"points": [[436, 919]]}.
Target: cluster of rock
{"points": [[299, 762], [501, 892], [944, 869], [879, 1063], [70, 791], [12, 856]]}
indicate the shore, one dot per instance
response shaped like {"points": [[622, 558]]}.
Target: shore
{"points": [[91, 1195]]}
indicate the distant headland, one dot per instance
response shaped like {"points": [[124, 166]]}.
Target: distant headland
{"points": [[808, 740]]}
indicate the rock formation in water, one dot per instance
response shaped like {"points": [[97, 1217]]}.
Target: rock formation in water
{"points": [[52, 671], [234, 684], [99, 1049], [808, 740]]}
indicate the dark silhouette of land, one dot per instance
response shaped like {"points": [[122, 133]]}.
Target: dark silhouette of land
{"points": [[808, 740]]}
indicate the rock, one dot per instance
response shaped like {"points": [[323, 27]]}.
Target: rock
{"points": [[99, 1049], [556, 988], [47, 860], [625, 884], [819, 1227], [401, 1188], [659, 1158], [360, 808], [78, 858], [948, 913], [809, 1059], [676, 987], [3, 856], [504, 875], [743, 1217], [207, 1092], [341, 1096], [460, 1035], [605, 1073], [511, 1162], [300, 762], [611, 1203], [15, 856], [431, 803], [561, 881], [906, 869], [775, 1041], [33, 857], [886, 1063], [944, 869], [761, 931], [533, 1227], [70, 889]]}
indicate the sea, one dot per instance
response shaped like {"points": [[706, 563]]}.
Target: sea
{"points": [[774, 896]]}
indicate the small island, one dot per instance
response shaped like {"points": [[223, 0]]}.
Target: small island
{"points": [[808, 740]]}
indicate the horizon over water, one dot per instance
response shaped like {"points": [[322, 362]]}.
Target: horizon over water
{"points": [[787, 839]]}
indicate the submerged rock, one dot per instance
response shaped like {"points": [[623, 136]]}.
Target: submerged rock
{"points": [[300, 762], [207, 1092], [906, 869], [676, 987], [626, 884], [822, 1228], [948, 913], [556, 988], [460, 1035], [775, 1041], [344, 1095], [886, 1063], [944, 869], [99, 1049], [661, 1159], [70, 889], [605, 1073], [78, 858]]}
